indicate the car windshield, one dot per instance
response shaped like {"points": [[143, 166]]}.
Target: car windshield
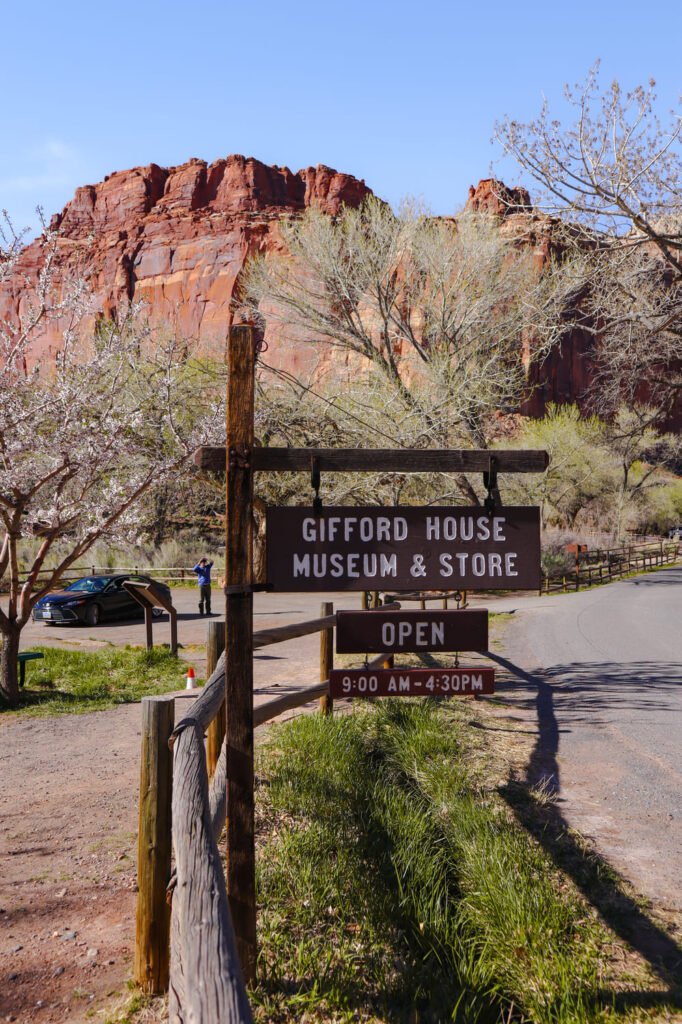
{"points": [[90, 585]]}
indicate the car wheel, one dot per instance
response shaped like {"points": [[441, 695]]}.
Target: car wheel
{"points": [[92, 615], [157, 612]]}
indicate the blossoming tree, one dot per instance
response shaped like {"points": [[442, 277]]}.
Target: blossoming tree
{"points": [[83, 435]]}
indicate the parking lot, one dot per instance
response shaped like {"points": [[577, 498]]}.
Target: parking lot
{"points": [[295, 659]]}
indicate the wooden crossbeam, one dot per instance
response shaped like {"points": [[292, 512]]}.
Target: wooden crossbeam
{"points": [[380, 460]]}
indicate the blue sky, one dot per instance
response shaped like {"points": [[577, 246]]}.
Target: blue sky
{"points": [[402, 94]]}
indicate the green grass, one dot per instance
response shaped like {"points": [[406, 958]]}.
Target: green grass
{"points": [[394, 885], [81, 681]]}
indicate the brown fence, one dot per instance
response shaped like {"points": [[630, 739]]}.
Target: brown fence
{"points": [[608, 564], [189, 949], [166, 574]]}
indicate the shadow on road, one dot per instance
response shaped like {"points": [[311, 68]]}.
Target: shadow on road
{"points": [[594, 690], [667, 577], [533, 801]]}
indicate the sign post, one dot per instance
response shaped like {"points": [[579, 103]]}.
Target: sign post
{"points": [[241, 855], [347, 549]]}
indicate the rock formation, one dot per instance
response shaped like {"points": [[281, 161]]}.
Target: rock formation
{"points": [[177, 238]]}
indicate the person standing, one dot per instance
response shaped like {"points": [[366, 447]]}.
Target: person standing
{"points": [[203, 571]]}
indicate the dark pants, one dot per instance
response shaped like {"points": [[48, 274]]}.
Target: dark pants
{"points": [[205, 598]]}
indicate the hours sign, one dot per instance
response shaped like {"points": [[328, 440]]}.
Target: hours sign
{"points": [[407, 548], [411, 682]]}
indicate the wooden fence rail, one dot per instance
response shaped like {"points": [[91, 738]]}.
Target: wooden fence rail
{"points": [[166, 574], [204, 980], [592, 568]]}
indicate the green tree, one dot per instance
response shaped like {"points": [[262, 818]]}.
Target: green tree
{"points": [[581, 469]]}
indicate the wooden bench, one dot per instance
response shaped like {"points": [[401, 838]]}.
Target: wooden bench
{"points": [[21, 661]]}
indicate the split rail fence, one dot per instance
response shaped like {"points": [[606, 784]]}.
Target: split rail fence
{"points": [[165, 574], [605, 565], [593, 566], [183, 914]]}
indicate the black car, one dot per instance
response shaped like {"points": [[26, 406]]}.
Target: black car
{"points": [[93, 599]]}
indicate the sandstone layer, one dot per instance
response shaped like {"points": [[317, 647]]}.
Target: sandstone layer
{"points": [[176, 238]]}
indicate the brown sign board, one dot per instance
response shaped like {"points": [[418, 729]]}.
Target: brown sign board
{"points": [[410, 682], [405, 548], [149, 595], [407, 631]]}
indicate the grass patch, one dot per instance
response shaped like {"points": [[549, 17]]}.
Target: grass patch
{"points": [[79, 681], [395, 885]]}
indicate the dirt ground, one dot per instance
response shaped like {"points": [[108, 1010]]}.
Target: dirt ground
{"points": [[68, 822], [67, 843]]}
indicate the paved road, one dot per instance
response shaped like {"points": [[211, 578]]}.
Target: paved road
{"points": [[601, 673]]}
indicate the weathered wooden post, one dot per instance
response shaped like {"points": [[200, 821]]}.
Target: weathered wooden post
{"points": [[174, 631], [152, 935], [326, 656], [240, 860], [149, 636], [215, 645]]}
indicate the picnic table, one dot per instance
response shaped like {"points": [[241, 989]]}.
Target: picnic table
{"points": [[22, 658]]}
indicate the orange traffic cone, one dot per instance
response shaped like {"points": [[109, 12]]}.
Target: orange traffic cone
{"points": [[191, 679]]}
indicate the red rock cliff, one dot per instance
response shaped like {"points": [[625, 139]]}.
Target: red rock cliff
{"points": [[177, 237]]}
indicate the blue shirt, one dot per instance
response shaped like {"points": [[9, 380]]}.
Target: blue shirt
{"points": [[203, 573]]}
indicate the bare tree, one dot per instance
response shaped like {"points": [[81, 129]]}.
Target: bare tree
{"points": [[81, 439], [444, 315], [616, 171]]}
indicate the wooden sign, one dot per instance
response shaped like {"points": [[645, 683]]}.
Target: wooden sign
{"points": [[410, 682], [402, 631], [407, 548]]}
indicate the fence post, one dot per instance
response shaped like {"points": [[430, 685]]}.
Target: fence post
{"points": [[326, 656], [152, 926], [215, 645]]}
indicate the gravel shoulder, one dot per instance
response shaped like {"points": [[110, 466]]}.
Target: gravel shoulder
{"points": [[68, 819]]}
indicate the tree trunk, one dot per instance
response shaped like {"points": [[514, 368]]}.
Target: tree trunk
{"points": [[9, 670]]}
